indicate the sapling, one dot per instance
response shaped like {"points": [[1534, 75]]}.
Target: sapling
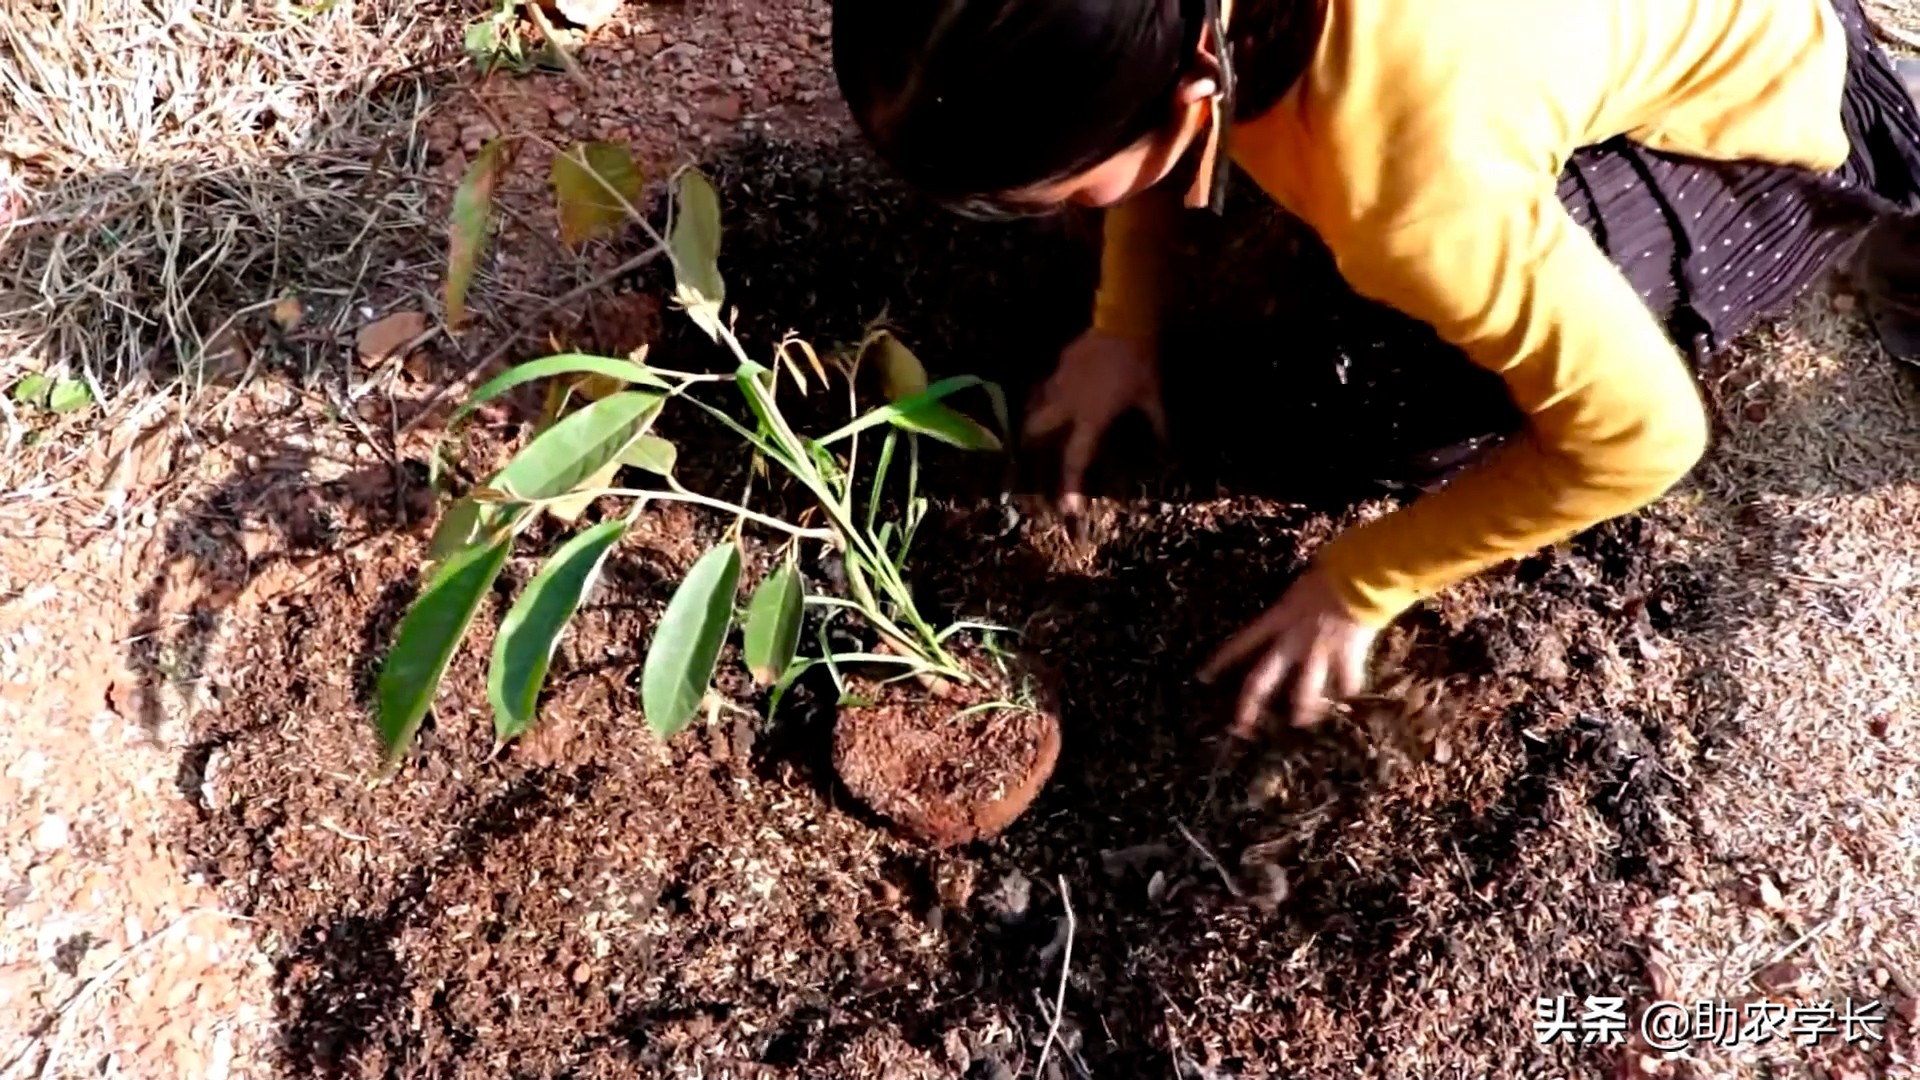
{"points": [[577, 454]]}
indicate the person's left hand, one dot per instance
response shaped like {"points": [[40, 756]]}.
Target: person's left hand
{"points": [[1308, 635]]}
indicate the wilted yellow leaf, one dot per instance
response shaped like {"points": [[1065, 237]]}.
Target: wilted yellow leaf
{"points": [[384, 338], [694, 245], [901, 373], [595, 387], [288, 312], [472, 212], [587, 209]]}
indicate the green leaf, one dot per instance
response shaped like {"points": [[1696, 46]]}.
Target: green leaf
{"points": [[923, 414], [625, 371], [581, 444], [33, 390], [570, 509], [467, 522], [472, 213], [483, 43], [532, 629], [581, 178], [937, 421], [773, 624], [694, 245], [69, 395], [686, 644], [426, 641], [652, 453]]}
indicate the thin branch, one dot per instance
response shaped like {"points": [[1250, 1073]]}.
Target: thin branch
{"points": [[507, 344], [1060, 996], [698, 499], [1218, 867]]}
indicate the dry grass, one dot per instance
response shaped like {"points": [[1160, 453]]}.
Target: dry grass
{"points": [[176, 166], [1814, 497]]}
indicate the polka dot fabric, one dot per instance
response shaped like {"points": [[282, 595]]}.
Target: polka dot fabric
{"points": [[1715, 246]]}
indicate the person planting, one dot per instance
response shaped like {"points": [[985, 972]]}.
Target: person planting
{"points": [[1585, 198]]}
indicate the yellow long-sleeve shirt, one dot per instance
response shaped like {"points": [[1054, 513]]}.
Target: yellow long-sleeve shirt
{"points": [[1424, 144]]}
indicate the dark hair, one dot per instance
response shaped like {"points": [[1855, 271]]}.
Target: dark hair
{"points": [[972, 101]]}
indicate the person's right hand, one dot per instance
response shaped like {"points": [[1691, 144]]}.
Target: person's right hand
{"points": [[1099, 377]]}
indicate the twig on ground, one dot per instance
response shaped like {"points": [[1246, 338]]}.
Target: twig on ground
{"points": [[1218, 867], [567, 61], [54, 1026], [510, 341], [1060, 996], [1793, 947]]}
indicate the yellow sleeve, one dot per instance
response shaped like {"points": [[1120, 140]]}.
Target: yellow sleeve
{"points": [[1613, 416], [1136, 247]]}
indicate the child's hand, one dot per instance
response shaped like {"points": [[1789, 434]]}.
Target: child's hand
{"points": [[1308, 635], [1099, 377]]}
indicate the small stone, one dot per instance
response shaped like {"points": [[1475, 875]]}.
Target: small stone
{"points": [[1783, 978], [50, 835], [726, 108], [1011, 899], [582, 972]]}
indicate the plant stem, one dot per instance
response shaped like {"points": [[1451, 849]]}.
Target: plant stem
{"points": [[697, 499]]}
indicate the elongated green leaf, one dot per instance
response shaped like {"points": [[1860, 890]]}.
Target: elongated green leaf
{"points": [[426, 641], [549, 367], [570, 509], [581, 177], [755, 384], [652, 453], [467, 522], [686, 644], [773, 624], [472, 213], [916, 413], [937, 421], [694, 245], [581, 444], [532, 629]]}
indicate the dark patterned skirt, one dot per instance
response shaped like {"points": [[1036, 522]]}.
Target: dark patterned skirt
{"points": [[1715, 247]]}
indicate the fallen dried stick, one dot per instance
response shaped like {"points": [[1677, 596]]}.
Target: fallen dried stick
{"points": [[1060, 996], [507, 345], [1218, 866]]}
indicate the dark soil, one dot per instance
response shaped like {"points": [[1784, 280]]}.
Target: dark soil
{"points": [[1385, 897], [949, 768]]}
